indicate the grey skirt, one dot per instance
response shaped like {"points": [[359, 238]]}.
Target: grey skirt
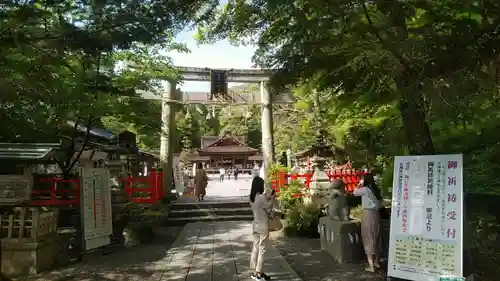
{"points": [[370, 231]]}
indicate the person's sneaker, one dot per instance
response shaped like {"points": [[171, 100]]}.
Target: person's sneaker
{"points": [[257, 278]]}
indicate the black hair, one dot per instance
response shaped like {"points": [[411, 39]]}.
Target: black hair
{"points": [[199, 166], [257, 188], [369, 182]]}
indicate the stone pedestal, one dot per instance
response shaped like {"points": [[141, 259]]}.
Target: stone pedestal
{"points": [[341, 239], [21, 258], [385, 227]]}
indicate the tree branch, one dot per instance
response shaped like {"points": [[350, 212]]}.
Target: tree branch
{"points": [[90, 123], [402, 60]]}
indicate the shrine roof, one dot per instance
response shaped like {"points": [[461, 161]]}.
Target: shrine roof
{"points": [[229, 149], [208, 140], [225, 144], [94, 131], [149, 153], [27, 151], [325, 150]]}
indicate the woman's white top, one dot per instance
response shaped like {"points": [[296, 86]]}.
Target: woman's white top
{"points": [[368, 199], [261, 209]]}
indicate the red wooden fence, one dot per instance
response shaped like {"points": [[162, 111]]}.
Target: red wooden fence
{"points": [[70, 195], [154, 191], [350, 177], [57, 196]]}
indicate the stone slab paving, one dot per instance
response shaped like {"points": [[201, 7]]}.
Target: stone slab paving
{"points": [[202, 251], [313, 264], [123, 264], [216, 251]]}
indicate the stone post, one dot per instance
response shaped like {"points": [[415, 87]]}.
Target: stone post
{"points": [[267, 127], [289, 158], [166, 139]]}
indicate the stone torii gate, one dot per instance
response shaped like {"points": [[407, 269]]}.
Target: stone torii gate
{"points": [[172, 96]]}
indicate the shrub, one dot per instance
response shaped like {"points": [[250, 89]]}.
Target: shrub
{"points": [[303, 220], [356, 212], [286, 199], [273, 171]]}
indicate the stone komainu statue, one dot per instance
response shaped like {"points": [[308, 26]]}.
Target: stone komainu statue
{"points": [[337, 208]]}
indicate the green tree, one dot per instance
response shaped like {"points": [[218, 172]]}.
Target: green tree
{"points": [[384, 52]]}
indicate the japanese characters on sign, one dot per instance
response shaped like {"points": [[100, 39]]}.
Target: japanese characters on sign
{"points": [[426, 230], [96, 207], [399, 190]]}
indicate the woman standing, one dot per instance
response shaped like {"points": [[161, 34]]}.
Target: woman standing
{"points": [[200, 182], [370, 222], [261, 207]]}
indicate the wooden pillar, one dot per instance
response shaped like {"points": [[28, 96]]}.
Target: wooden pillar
{"points": [[267, 126], [166, 140]]}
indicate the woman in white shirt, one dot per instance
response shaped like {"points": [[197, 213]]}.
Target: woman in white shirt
{"points": [[370, 222], [262, 205]]}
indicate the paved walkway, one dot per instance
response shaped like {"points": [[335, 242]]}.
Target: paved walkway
{"points": [[226, 191], [217, 251], [203, 251]]}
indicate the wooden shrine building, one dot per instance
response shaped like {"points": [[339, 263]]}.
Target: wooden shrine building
{"points": [[227, 151]]}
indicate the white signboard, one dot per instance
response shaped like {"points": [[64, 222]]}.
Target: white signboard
{"points": [[426, 221], [178, 175], [96, 207]]}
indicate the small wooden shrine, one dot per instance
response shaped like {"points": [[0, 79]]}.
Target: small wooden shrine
{"points": [[319, 148], [28, 234]]}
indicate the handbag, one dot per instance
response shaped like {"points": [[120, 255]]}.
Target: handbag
{"points": [[384, 213], [275, 224]]}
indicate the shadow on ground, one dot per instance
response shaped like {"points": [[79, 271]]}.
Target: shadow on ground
{"points": [[305, 256], [125, 264], [203, 251]]}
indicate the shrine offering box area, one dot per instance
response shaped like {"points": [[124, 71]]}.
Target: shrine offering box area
{"points": [[29, 240]]}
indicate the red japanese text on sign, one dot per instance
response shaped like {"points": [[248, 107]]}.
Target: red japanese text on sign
{"points": [[452, 198]]}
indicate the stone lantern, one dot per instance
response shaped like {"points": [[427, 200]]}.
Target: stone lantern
{"points": [[321, 153]]}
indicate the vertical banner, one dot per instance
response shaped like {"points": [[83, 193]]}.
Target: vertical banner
{"points": [[426, 236], [96, 209]]}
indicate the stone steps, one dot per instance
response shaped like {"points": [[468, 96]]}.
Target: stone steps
{"points": [[184, 220], [185, 212], [198, 212]]}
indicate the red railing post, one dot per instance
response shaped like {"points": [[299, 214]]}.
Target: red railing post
{"points": [[128, 187], [77, 191], [153, 184], [53, 189], [308, 178], [160, 184]]}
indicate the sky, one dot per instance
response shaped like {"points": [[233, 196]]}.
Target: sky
{"points": [[218, 55]]}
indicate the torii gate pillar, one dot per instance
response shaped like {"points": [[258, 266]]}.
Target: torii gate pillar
{"points": [[267, 127], [166, 138]]}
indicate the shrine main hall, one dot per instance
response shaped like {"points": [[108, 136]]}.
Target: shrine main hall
{"points": [[226, 151]]}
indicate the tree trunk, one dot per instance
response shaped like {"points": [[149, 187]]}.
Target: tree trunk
{"points": [[412, 110]]}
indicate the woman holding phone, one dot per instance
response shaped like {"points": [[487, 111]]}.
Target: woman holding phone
{"points": [[262, 206]]}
